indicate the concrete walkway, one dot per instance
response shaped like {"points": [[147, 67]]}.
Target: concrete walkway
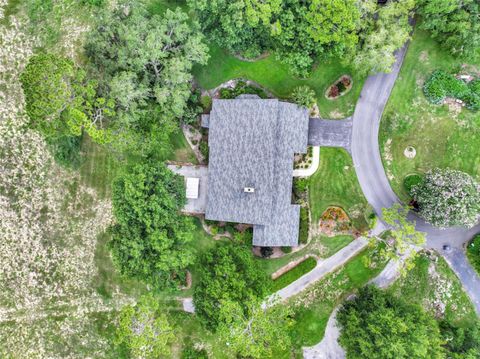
{"points": [[330, 133], [323, 268], [307, 172]]}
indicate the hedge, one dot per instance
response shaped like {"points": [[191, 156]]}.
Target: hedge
{"points": [[293, 274]]}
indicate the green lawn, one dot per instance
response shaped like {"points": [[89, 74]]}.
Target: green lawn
{"points": [[432, 282], [274, 75], [335, 184], [293, 274], [333, 244], [441, 137]]}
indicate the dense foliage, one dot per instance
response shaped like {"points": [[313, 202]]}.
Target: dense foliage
{"points": [[454, 23], [144, 63], [60, 101], [300, 32], [382, 31], [304, 96], [238, 25], [473, 252], [461, 342], [378, 325], [447, 198], [442, 84], [143, 330], [259, 334], [150, 238], [228, 273]]}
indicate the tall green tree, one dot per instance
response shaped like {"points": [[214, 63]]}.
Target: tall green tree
{"points": [[447, 198], [260, 334], [377, 325], [332, 25], [228, 273], [150, 239], [143, 330], [61, 100], [382, 30], [401, 236], [454, 23], [241, 26], [144, 62]]}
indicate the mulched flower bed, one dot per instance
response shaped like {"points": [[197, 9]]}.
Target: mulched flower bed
{"points": [[339, 87]]}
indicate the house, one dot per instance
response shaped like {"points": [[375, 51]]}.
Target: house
{"points": [[252, 143]]}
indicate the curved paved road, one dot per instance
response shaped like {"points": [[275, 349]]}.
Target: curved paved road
{"points": [[376, 187]]}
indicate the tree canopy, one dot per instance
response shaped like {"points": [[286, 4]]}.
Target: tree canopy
{"points": [[61, 101], [447, 198], [454, 23], [150, 237], [144, 64], [383, 29], [260, 334], [378, 325], [228, 273], [144, 330]]}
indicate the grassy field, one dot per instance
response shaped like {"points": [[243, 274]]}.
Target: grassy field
{"points": [[274, 75], [432, 284], [442, 136], [335, 184]]}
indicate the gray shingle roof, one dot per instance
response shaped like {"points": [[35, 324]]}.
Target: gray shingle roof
{"points": [[251, 144]]}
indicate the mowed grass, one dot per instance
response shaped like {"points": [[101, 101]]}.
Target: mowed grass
{"points": [[442, 137], [333, 244], [275, 76], [335, 184], [101, 164], [432, 282], [293, 274]]}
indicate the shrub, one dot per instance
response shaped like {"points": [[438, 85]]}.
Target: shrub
{"points": [[410, 181], [193, 108], [304, 225], [341, 87], [346, 81], [286, 250], [203, 147], [206, 102], [190, 352], [473, 252], [241, 88], [266, 252], [448, 198], [333, 92], [442, 84], [301, 184], [66, 150], [304, 96]]}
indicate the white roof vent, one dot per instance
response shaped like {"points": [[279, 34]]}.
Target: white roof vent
{"points": [[249, 190]]}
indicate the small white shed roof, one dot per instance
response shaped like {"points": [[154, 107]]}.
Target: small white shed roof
{"points": [[192, 187]]}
